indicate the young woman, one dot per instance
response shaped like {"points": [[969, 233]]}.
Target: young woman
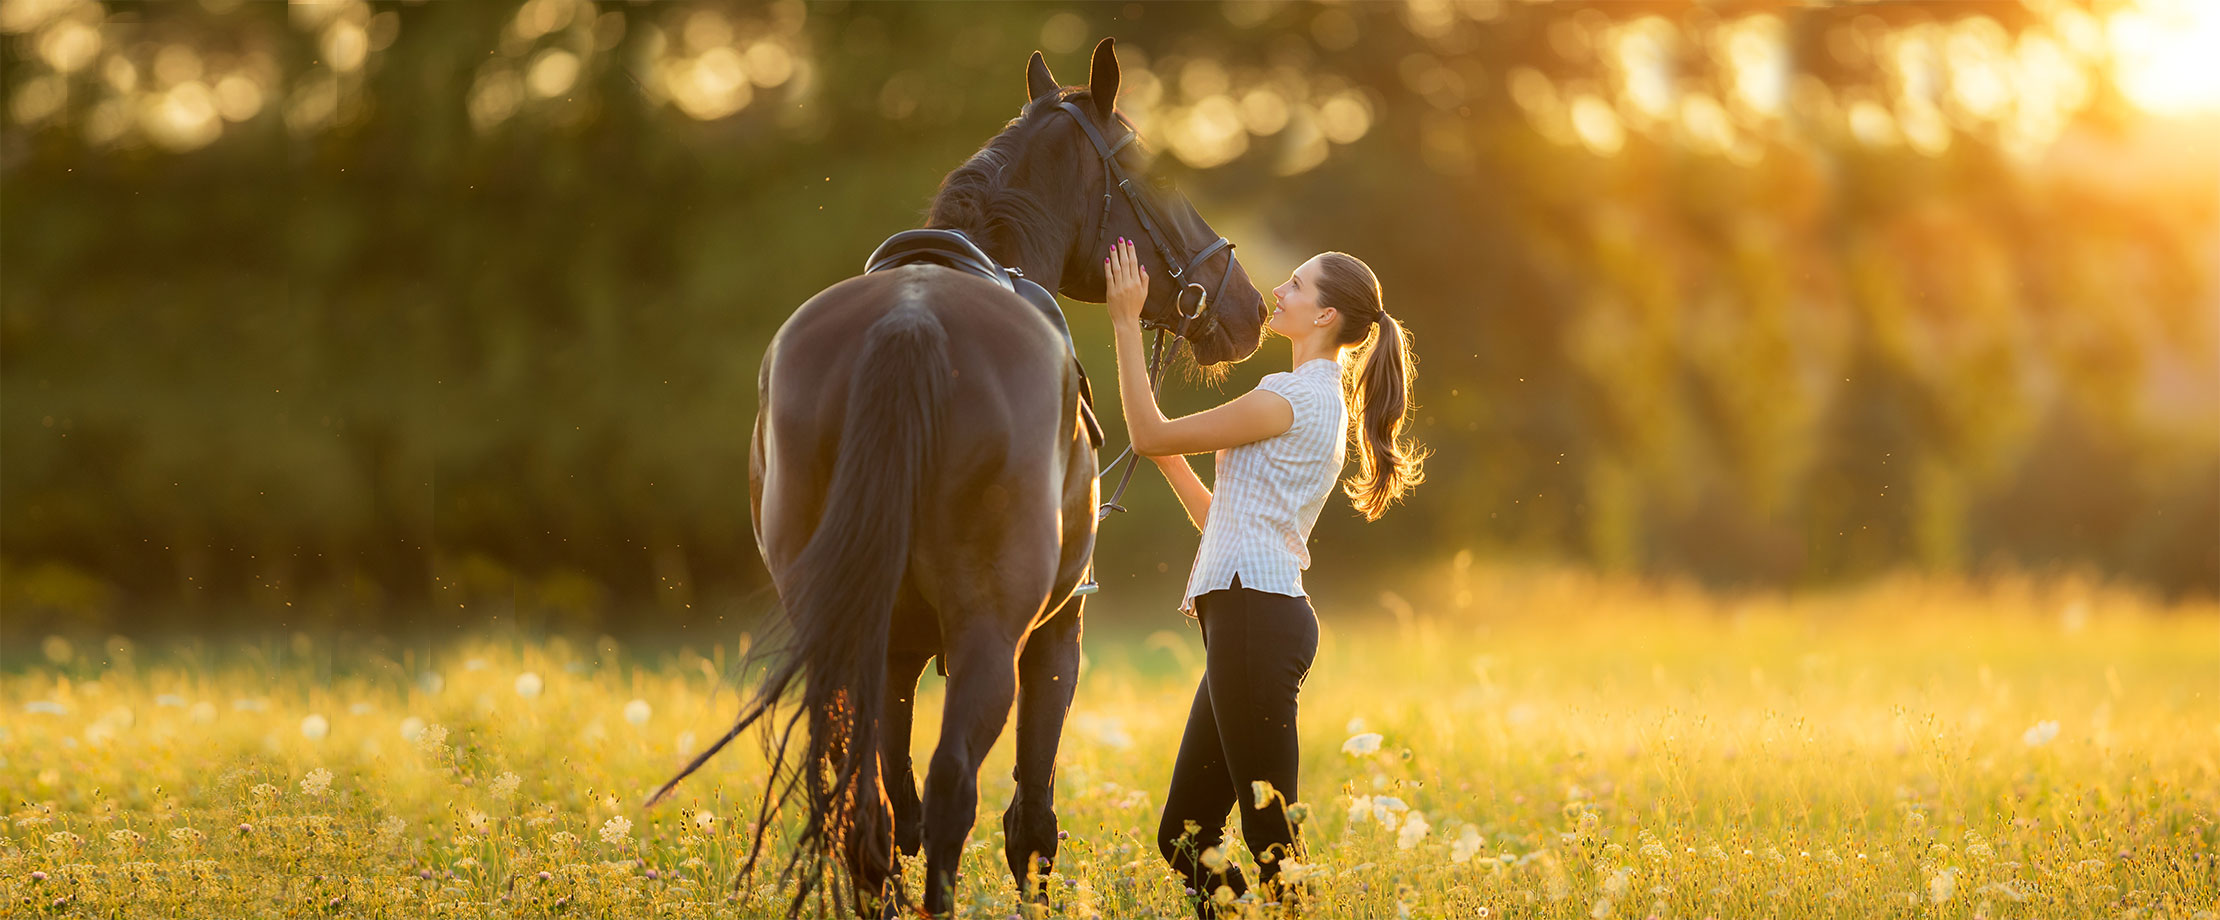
{"points": [[1279, 452]]}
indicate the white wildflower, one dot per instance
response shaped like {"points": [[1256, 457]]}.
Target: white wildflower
{"points": [[505, 785], [617, 830], [2041, 733], [432, 740], [412, 728], [529, 684], [1467, 845], [390, 829], [315, 727], [637, 712], [1942, 885], [317, 782], [1360, 745], [1263, 791], [1414, 830]]}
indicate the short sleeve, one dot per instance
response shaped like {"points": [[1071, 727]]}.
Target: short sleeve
{"points": [[1299, 397]]}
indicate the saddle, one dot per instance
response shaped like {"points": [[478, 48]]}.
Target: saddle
{"points": [[952, 249]]}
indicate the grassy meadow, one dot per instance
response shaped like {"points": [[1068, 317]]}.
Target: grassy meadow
{"points": [[1510, 744]]}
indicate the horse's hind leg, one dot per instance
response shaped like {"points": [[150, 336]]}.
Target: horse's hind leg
{"points": [[1047, 673], [982, 679], [903, 667]]}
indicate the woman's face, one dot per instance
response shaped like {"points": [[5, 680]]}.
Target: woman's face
{"points": [[1295, 309]]}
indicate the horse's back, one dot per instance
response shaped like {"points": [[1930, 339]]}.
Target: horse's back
{"points": [[1004, 456]]}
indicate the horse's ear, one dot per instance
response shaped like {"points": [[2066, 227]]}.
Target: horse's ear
{"points": [[1038, 81], [1102, 78]]}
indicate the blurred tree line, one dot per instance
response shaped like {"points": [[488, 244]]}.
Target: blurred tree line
{"points": [[373, 314]]}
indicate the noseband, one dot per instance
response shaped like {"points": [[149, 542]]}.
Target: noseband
{"points": [[1189, 324]]}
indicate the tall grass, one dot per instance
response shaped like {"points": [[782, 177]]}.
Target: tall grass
{"points": [[1498, 744]]}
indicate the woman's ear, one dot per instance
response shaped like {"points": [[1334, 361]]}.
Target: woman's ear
{"points": [[1328, 316]]}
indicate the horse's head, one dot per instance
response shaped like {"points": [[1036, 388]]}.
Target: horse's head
{"points": [[1196, 286]]}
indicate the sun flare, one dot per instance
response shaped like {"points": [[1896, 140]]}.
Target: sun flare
{"points": [[2163, 55]]}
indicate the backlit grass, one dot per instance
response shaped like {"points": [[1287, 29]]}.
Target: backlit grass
{"points": [[1511, 744]]}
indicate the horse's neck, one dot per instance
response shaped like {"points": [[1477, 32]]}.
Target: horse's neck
{"points": [[1043, 265]]}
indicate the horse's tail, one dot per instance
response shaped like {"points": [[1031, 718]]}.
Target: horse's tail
{"points": [[839, 598]]}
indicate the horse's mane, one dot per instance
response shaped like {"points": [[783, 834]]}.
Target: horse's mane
{"points": [[1009, 220]]}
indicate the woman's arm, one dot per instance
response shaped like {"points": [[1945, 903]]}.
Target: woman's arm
{"points": [[1256, 415], [1193, 495]]}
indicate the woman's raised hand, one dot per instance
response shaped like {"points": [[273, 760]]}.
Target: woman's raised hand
{"points": [[1127, 282]]}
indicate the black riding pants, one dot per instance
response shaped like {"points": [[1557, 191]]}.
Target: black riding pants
{"points": [[1258, 648]]}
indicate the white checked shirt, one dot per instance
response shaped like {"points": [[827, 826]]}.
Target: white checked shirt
{"points": [[1269, 492]]}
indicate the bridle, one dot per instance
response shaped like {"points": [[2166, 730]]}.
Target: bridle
{"points": [[1190, 323], [1187, 323]]}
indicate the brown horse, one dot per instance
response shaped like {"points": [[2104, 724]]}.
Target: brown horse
{"points": [[921, 486]]}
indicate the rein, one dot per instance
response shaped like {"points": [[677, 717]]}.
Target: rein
{"points": [[1131, 460], [1156, 380], [1189, 322]]}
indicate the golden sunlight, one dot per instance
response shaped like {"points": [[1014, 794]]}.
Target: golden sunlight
{"points": [[2163, 55]]}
